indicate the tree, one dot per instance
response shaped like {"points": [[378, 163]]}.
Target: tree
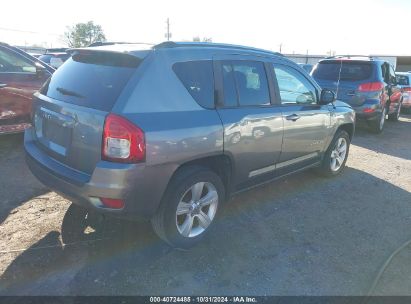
{"points": [[83, 34]]}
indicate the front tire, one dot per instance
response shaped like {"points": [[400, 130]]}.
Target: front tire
{"points": [[337, 154], [189, 207]]}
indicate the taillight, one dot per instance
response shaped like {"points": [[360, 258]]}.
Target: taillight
{"points": [[368, 110], [122, 141], [406, 89], [371, 87]]}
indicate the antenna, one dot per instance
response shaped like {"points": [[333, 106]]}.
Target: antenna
{"points": [[339, 79], [168, 34]]}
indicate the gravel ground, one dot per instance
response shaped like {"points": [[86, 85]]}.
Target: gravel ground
{"points": [[303, 235]]}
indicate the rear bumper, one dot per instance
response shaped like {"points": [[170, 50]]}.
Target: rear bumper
{"points": [[367, 116], [137, 184], [370, 110]]}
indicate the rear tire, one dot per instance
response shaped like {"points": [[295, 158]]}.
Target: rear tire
{"points": [[336, 156], [396, 116], [377, 125], [189, 207]]}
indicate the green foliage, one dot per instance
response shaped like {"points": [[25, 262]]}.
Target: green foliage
{"points": [[83, 34]]}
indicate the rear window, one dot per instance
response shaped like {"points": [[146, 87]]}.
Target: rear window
{"points": [[403, 80], [197, 78], [351, 71], [92, 79]]}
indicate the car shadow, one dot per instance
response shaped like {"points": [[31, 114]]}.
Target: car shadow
{"points": [[394, 140], [302, 235], [17, 184]]}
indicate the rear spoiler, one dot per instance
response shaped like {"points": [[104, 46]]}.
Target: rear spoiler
{"points": [[115, 48]]}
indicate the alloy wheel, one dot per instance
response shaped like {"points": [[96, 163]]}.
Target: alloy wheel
{"points": [[399, 110], [338, 154], [382, 119], [196, 209]]}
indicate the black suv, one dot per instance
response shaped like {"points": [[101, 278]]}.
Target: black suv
{"points": [[368, 84]]}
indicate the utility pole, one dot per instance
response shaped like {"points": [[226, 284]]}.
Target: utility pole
{"points": [[168, 34]]}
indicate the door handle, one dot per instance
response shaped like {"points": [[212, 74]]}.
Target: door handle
{"points": [[293, 117], [351, 93], [3, 85]]}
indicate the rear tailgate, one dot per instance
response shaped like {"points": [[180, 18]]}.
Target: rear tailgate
{"points": [[345, 84], [70, 110]]}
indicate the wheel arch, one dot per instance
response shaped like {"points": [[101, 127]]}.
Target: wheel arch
{"points": [[220, 164], [347, 127]]}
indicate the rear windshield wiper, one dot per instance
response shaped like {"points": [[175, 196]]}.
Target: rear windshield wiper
{"points": [[69, 93]]}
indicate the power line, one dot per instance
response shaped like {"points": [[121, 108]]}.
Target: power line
{"points": [[24, 31]]}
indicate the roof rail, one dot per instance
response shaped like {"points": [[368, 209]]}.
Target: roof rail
{"points": [[172, 44]]}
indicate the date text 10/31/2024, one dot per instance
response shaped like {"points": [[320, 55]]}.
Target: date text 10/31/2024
{"points": [[203, 300]]}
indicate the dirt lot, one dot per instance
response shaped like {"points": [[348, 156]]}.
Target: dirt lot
{"points": [[304, 235]]}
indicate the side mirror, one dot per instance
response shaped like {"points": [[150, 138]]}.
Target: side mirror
{"points": [[327, 97]]}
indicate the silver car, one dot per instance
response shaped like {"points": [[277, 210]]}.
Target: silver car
{"points": [[168, 133], [404, 81]]}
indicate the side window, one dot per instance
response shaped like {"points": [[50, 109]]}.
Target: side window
{"points": [[198, 79], [245, 83], [294, 87], [229, 87], [13, 63]]}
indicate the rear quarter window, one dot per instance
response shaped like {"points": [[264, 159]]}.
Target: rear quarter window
{"points": [[92, 79], [197, 77], [350, 71]]}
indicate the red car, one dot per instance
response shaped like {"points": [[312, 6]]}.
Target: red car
{"points": [[20, 76]]}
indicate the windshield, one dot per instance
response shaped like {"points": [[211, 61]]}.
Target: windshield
{"points": [[350, 71]]}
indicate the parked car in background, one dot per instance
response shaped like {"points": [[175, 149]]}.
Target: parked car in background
{"points": [[404, 81], [20, 76], [368, 84], [54, 59], [36, 55], [307, 67], [168, 133]]}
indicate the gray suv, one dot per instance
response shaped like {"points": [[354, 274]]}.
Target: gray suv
{"points": [[168, 133]]}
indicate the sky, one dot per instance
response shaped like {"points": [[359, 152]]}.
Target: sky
{"points": [[314, 26]]}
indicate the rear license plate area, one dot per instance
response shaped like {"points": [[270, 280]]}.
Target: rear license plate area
{"points": [[56, 133], [53, 130]]}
